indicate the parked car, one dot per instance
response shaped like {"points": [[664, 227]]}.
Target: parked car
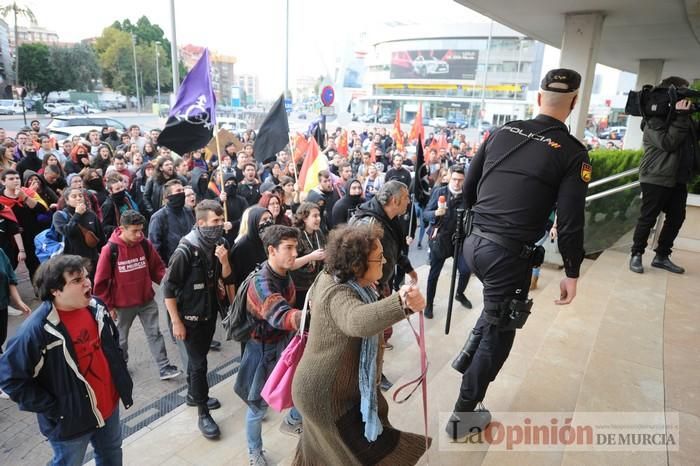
{"points": [[63, 127], [438, 122], [613, 132], [234, 125], [590, 138], [10, 107], [386, 119]]}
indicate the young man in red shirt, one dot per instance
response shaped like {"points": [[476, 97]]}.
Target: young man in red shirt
{"points": [[65, 365]]}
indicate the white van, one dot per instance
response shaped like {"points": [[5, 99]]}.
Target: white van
{"points": [[234, 125]]}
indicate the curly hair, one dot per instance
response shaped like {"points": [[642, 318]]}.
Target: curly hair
{"points": [[348, 249], [303, 212]]}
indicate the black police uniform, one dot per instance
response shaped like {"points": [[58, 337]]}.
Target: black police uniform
{"points": [[510, 207]]}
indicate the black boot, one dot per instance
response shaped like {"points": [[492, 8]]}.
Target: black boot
{"points": [[212, 403], [664, 262], [636, 263], [467, 420], [463, 300], [207, 425]]}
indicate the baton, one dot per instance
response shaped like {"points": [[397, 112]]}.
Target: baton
{"points": [[457, 239]]}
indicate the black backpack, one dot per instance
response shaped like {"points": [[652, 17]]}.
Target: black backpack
{"points": [[114, 251], [238, 322]]}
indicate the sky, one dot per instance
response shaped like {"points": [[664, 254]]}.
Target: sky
{"points": [[251, 30]]}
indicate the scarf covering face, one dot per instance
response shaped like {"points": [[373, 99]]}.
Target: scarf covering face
{"points": [[368, 371]]}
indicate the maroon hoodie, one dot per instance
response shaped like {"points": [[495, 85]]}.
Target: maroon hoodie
{"points": [[129, 283]]}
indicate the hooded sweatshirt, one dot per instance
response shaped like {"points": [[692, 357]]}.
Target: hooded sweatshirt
{"points": [[200, 184], [344, 209], [249, 251], [128, 283]]}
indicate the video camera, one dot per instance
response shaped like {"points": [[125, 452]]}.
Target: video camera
{"points": [[661, 102]]}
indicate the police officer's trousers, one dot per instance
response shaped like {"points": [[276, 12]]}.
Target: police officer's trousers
{"points": [[504, 276]]}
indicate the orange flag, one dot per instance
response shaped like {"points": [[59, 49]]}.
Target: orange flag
{"points": [[300, 147], [343, 143], [417, 127], [396, 134], [372, 151]]}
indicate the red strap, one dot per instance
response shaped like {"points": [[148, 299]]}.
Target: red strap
{"points": [[421, 380]]}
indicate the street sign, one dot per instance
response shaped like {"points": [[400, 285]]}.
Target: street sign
{"points": [[327, 96], [328, 111], [288, 105]]}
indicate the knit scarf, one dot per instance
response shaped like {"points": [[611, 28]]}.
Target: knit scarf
{"points": [[368, 372]]}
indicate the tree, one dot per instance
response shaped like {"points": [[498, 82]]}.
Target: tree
{"points": [[36, 71], [114, 51], [76, 67], [25, 12]]}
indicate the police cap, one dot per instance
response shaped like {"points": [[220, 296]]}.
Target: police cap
{"points": [[561, 80]]}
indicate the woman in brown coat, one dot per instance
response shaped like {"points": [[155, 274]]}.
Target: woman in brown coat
{"points": [[336, 385]]}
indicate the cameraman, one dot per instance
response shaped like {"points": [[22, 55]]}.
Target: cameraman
{"points": [[671, 154]]}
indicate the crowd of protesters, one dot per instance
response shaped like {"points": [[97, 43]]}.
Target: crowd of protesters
{"points": [[132, 213]]}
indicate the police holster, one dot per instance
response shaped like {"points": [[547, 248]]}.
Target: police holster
{"points": [[510, 314]]}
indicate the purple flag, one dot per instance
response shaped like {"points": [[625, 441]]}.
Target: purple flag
{"points": [[192, 119]]}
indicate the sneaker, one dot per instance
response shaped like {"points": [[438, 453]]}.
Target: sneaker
{"points": [[257, 458], [169, 372], [4, 396], [463, 300], [215, 345], [11, 311], [295, 430]]}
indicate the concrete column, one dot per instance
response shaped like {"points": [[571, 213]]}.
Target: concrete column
{"points": [[649, 73], [579, 52]]}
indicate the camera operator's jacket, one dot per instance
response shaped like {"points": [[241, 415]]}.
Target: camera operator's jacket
{"points": [[39, 371], [671, 152]]}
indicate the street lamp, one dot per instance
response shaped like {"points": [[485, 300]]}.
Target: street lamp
{"points": [[136, 73], [158, 74]]}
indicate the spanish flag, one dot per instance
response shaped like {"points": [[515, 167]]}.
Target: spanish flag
{"points": [[314, 162]]}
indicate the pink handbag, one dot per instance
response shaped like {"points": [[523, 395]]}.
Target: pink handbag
{"points": [[277, 391]]}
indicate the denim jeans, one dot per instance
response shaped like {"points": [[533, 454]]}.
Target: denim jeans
{"points": [[107, 442], [253, 424], [421, 223]]}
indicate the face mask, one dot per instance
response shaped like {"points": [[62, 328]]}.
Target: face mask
{"points": [[264, 225], [119, 197], [443, 184], [177, 201], [95, 184], [230, 190], [212, 233]]}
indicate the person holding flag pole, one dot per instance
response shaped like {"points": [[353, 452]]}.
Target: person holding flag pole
{"points": [[202, 256]]}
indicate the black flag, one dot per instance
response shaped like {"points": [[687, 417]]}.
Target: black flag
{"points": [[420, 188], [193, 117], [273, 135]]}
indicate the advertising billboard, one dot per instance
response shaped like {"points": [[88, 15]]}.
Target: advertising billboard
{"points": [[434, 64]]}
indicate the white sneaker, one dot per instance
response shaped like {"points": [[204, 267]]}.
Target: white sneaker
{"points": [[257, 458], [13, 312], [3, 395]]}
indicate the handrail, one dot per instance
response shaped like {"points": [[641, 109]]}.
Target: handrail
{"points": [[610, 178], [612, 191]]}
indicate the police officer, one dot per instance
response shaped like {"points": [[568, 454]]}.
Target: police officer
{"points": [[514, 181]]}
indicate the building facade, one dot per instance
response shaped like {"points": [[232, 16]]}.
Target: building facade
{"points": [[249, 85], [7, 71], [222, 76], [464, 73], [33, 34]]}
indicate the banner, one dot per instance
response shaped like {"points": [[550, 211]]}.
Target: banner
{"points": [[434, 64]]}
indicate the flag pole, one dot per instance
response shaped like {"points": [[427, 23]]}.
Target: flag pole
{"points": [[221, 172], [292, 147]]}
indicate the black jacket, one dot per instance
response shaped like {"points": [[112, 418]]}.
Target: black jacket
{"points": [[39, 371], [67, 222], [153, 193], [393, 241], [248, 252], [167, 227], [442, 228], [111, 212], [671, 152]]}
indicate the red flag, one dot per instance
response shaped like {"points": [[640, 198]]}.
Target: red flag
{"points": [[300, 147], [372, 150], [417, 127], [396, 134], [343, 143], [442, 141]]}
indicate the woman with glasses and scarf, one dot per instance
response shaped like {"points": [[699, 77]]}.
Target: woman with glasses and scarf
{"points": [[310, 249], [336, 384]]}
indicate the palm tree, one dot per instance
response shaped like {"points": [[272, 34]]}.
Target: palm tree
{"points": [[17, 10]]}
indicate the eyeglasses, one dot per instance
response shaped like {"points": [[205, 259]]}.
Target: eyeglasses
{"points": [[381, 259]]}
